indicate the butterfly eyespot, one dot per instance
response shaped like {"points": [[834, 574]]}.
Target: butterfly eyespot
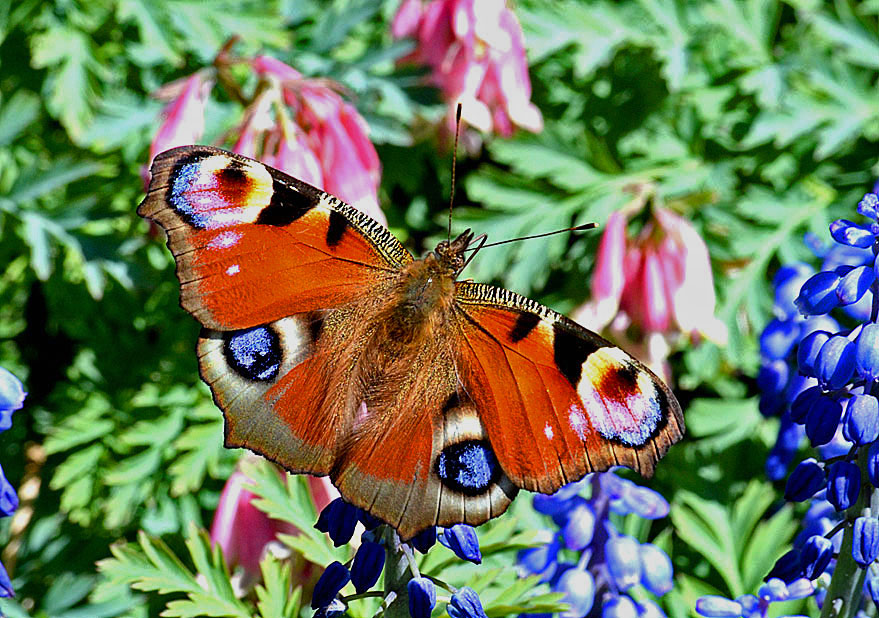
{"points": [[254, 353], [469, 467]]}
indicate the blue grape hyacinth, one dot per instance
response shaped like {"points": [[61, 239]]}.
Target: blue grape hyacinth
{"points": [[820, 374], [11, 399], [589, 560]]}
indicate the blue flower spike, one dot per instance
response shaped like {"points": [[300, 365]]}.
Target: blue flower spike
{"points": [[338, 519], [367, 567], [465, 604], [422, 597], [866, 541], [462, 540], [331, 581]]}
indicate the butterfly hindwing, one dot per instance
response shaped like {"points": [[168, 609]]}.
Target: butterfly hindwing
{"points": [[254, 245], [558, 400]]}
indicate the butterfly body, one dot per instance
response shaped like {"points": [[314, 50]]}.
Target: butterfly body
{"points": [[333, 351]]}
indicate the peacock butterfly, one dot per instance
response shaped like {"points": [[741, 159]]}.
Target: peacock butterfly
{"points": [[332, 350]]}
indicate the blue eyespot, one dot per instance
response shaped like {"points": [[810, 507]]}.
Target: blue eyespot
{"points": [[186, 204], [469, 467], [254, 353]]}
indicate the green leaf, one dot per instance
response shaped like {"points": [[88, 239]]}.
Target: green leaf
{"points": [[17, 113], [274, 599]]}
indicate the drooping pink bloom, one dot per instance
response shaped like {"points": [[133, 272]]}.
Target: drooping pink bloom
{"points": [[476, 53], [659, 281], [183, 117], [243, 531], [324, 140]]}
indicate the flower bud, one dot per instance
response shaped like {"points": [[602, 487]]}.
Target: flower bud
{"points": [[869, 206], [865, 549], [805, 481], [578, 530], [818, 294], [802, 403], [424, 540], [331, 581], [619, 607], [849, 233], [816, 555], [462, 540], [861, 420], [578, 587], [822, 420], [779, 338], [623, 560], [422, 597], [465, 604], [854, 284], [835, 363], [368, 564], [867, 352], [773, 377], [657, 573], [714, 606], [787, 283], [338, 519], [807, 352], [11, 397], [843, 484]]}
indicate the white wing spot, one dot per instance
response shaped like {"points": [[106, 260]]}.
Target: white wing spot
{"points": [[233, 270], [547, 431], [225, 240], [578, 420]]}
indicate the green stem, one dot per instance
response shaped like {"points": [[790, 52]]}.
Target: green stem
{"points": [[847, 584], [397, 575]]}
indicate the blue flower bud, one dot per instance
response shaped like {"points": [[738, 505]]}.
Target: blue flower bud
{"points": [[331, 581], [835, 363], [779, 338], [869, 206], [338, 519], [714, 606], [462, 540], [370, 522], [872, 585], [8, 497], [805, 481], [578, 587], [873, 464], [539, 560], [867, 352], [802, 403], [750, 606], [424, 540], [11, 397], [773, 376], [818, 294], [816, 555], [861, 420], [623, 560], [368, 564], [422, 597], [787, 568], [800, 589], [578, 530], [849, 233], [866, 541], [822, 420], [657, 573], [6, 590], [619, 607], [843, 484], [787, 283], [644, 502], [773, 590], [855, 284], [807, 352], [465, 604]]}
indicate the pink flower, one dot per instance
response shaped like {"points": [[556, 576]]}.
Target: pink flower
{"points": [[477, 55], [243, 531], [183, 122], [322, 139], [661, 279]]}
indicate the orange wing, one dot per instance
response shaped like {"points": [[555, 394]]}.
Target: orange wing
{"points": [[254, 245], [557, 400]]}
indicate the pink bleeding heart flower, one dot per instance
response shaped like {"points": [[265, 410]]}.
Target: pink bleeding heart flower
{"points": [[324, 141], [183, 117], [476, 53], [244, 532]]}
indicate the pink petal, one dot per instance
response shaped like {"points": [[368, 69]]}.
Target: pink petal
{"points": [[406, 20], [608, 277], [183, 122]]}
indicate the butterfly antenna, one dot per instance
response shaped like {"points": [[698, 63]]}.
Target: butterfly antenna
{"points": [[576, 228], [454, 165], [481, 238]]}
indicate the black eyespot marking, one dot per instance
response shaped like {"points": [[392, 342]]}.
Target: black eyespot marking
{"points": [[468, 467], [338, 225], [452, 402], [286, 205], [570, 352], [525, 323], [254, 354], [315, 326]]}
